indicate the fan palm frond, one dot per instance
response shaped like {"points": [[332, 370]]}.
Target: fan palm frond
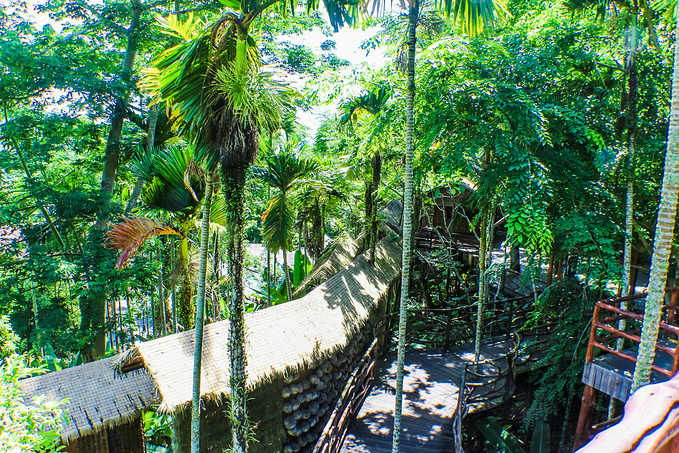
{"points": [[142, 163], [131, 233], [370, 102], [474, 15]]}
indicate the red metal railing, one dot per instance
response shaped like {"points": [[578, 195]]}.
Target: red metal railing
{"points": [[606, 315]]}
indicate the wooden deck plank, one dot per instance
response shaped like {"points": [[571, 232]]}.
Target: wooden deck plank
{"points": [[431, 385], [612, 375]]}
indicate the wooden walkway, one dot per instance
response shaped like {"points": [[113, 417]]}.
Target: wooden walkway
{"points": [[431, 387]]}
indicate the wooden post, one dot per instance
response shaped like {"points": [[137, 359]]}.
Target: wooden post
{"points": [[448, 328], [587, 411], [635, 272], [592, 335]]}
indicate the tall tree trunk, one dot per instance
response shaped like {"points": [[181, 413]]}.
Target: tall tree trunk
{"points": [[407, 219], [200, 312], [485, 247], [112, 158], [234, 186], [268, 264], [185, 313], [161, 290], [662, 243], [376, 163], [629, 203], [173, 283], [92, 305]]}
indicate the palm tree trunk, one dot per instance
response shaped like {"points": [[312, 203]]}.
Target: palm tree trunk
{"points": [[200, 312], [173, 285], [662, 243], [161, 290], [268, 264], [376, 163], [185, 311], [485, 247], [288, 283], [407, 220], [234, 186]]}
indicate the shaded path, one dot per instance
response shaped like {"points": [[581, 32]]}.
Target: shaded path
{"points": [[431, 382]]}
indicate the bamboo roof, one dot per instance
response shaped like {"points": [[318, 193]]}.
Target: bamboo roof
{"points": [[98, 396], [280, 340]]}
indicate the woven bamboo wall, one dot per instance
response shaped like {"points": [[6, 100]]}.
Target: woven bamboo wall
{"points": [[264, 409]]}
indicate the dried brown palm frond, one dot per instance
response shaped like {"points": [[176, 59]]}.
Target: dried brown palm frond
{"points": [[131, 233]]}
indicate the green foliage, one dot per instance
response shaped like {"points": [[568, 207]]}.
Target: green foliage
{"points": [[540, 442], [27, 426], [8, 339], [569, 305], [157, 429], [287, 172], [499, 439]]}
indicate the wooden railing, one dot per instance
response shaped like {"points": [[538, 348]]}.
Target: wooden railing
{"points": [[349, 403], [606, 315], [443, 327], [483, 381]]}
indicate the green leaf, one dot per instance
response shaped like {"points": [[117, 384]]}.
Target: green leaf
{"points": [[500, 439], [541, 438], [233, 4]]}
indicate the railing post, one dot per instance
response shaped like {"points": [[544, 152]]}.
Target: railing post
{"points": [[511, 318], [449, 323], [672, 309], [592, 336]]}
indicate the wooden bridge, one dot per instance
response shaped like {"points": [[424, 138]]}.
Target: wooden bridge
{"points": [[432, 380], [432, 407]]}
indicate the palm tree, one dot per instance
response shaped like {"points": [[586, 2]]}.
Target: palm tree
{"points": [[285, 171], [371, 103], [662, 242], [173, 192], [473, 16], [222, 100]]}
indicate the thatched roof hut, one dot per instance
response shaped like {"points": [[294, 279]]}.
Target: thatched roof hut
{"points": [[280, 340], [340, 254], [390, 217], [345, 250], [98, 396]]}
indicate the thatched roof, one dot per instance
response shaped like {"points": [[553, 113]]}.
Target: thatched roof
{"points": [[343, 252], [340, 254], [98, 396], [280, 339], [391, 215]]}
